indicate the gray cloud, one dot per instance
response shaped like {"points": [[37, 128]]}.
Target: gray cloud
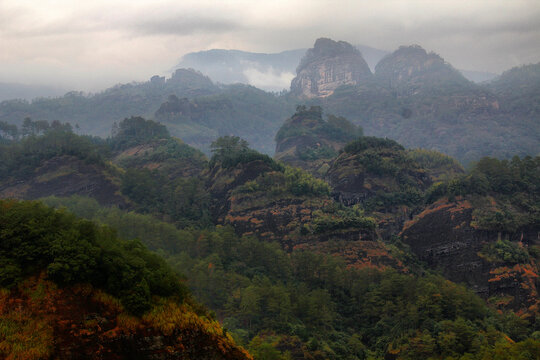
{"points": [[127, 40], [183, 25]]}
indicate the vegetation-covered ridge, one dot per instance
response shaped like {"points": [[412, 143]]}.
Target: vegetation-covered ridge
{"points": [[305, 305], [66, 282], [290, 266], [308, 141]]}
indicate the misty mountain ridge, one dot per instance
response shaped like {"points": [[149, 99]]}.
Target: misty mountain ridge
{"points": [[274, 71], [414, 97]]}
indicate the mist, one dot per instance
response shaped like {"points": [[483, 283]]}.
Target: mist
{"points": [[95, 45]]}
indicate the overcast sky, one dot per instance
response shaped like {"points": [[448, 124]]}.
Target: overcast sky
{"points": [[89, 45]]}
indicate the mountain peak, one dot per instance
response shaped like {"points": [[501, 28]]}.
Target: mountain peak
{"points": [[410, 68], [328, 65]]}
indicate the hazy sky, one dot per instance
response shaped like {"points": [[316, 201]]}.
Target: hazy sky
{"points": [[88, 45]]}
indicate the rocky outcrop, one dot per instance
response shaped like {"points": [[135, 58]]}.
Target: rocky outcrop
{"points": [[326, 66], [309, 142], [445, 238], [378, 165]]}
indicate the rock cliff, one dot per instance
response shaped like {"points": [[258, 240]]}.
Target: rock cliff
{"points": [[444, 236], [326, 66]]}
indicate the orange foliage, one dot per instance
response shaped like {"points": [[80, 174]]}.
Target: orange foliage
{"points": [[39, 318]]}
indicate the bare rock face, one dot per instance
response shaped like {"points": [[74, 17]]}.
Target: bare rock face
{"points": [[328, 65], [445, 238]]}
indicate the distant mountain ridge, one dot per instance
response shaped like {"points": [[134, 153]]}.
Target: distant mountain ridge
{"points": [[414, 97], [274, 71]]}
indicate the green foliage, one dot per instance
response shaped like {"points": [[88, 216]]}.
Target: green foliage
{"points": [[301, 183], [259, 289], [514, 185], [309, 124], [137, 130], [337, 217], [8, 132], [315, 153], [408, 196], [439, 166], [183, 201], [291, 180], [230, 151], [504, 251], [20, 158], [35, 238], [433, 159], [369, 142]]}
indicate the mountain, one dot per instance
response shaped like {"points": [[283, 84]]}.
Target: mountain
{"points": [[269, 72], [418, 99], [410, 70], [58, 163], [490, 221], [95, 113], [239, 110], [433, 107], [326, 66]]}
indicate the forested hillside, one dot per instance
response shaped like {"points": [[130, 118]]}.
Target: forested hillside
{"points": [[414, 97], [358, 257]]}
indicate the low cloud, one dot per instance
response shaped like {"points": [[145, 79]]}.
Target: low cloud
{"points": [[270, 79], [138, 38]]}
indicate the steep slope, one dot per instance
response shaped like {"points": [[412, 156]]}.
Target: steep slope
{"points": [[59, 305], [58, 163], [326, 66], [483, 231], [378, 175], [262, 198]]}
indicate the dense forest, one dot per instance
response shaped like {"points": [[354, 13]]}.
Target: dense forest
{"points": [[313, 263]]}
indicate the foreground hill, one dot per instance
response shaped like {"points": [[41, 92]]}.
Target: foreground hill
{"points": [[89, 295]]}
